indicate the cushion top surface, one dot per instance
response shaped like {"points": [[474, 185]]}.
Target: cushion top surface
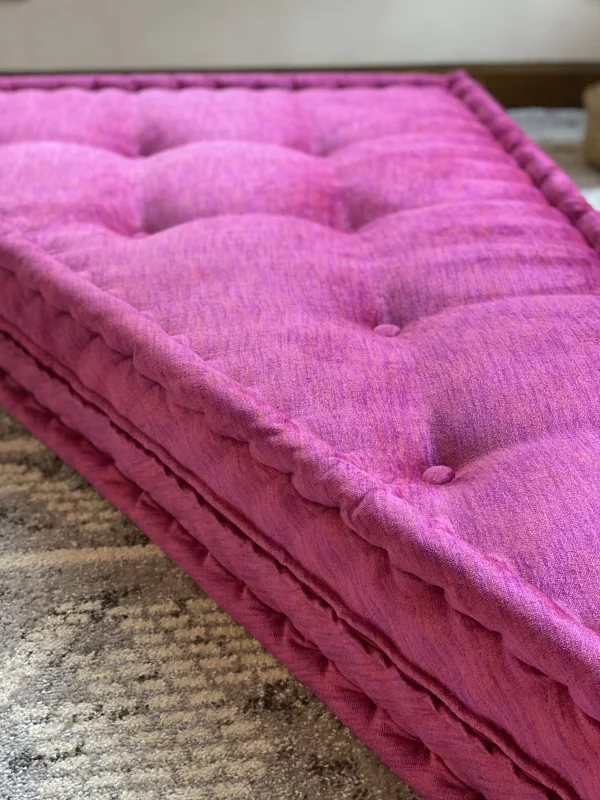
{"points": [[369, 261]]}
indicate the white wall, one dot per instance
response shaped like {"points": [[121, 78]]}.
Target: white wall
{"points": [[83, 34]]}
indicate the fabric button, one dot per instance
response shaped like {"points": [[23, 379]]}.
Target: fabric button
{"points": [[438, 475], [387, 330]]}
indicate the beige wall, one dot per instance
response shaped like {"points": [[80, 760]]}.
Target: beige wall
{"points": [[83, 34]]}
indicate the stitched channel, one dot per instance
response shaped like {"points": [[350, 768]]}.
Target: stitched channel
{"points": [[254, 81]]}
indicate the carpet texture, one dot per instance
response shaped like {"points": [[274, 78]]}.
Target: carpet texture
{"points": [[121, 680]]}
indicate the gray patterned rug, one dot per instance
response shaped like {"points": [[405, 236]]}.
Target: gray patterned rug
{"points": [[120, 680]]}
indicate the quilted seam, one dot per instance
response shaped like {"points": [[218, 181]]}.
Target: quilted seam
{"points": [[557, 188], [290, 81]]}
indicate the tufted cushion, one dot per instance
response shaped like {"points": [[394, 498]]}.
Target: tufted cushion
{"points": [[332, 340]]}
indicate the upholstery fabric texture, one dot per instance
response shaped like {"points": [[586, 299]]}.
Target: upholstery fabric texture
{"points": [[331, 341]]}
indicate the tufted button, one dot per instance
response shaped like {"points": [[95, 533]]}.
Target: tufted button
{"points": [[387, 330], [438, 475]]}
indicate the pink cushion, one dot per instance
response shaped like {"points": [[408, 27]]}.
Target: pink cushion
{"points": [[332, 341]]}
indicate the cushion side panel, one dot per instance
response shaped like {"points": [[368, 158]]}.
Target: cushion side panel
{"points": [[416, 734]]}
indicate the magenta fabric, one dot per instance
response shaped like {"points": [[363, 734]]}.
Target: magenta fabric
{"points": [[332, 341]]}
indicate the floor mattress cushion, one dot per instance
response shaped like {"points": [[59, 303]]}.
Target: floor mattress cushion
{"points": [[331, 340]]}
